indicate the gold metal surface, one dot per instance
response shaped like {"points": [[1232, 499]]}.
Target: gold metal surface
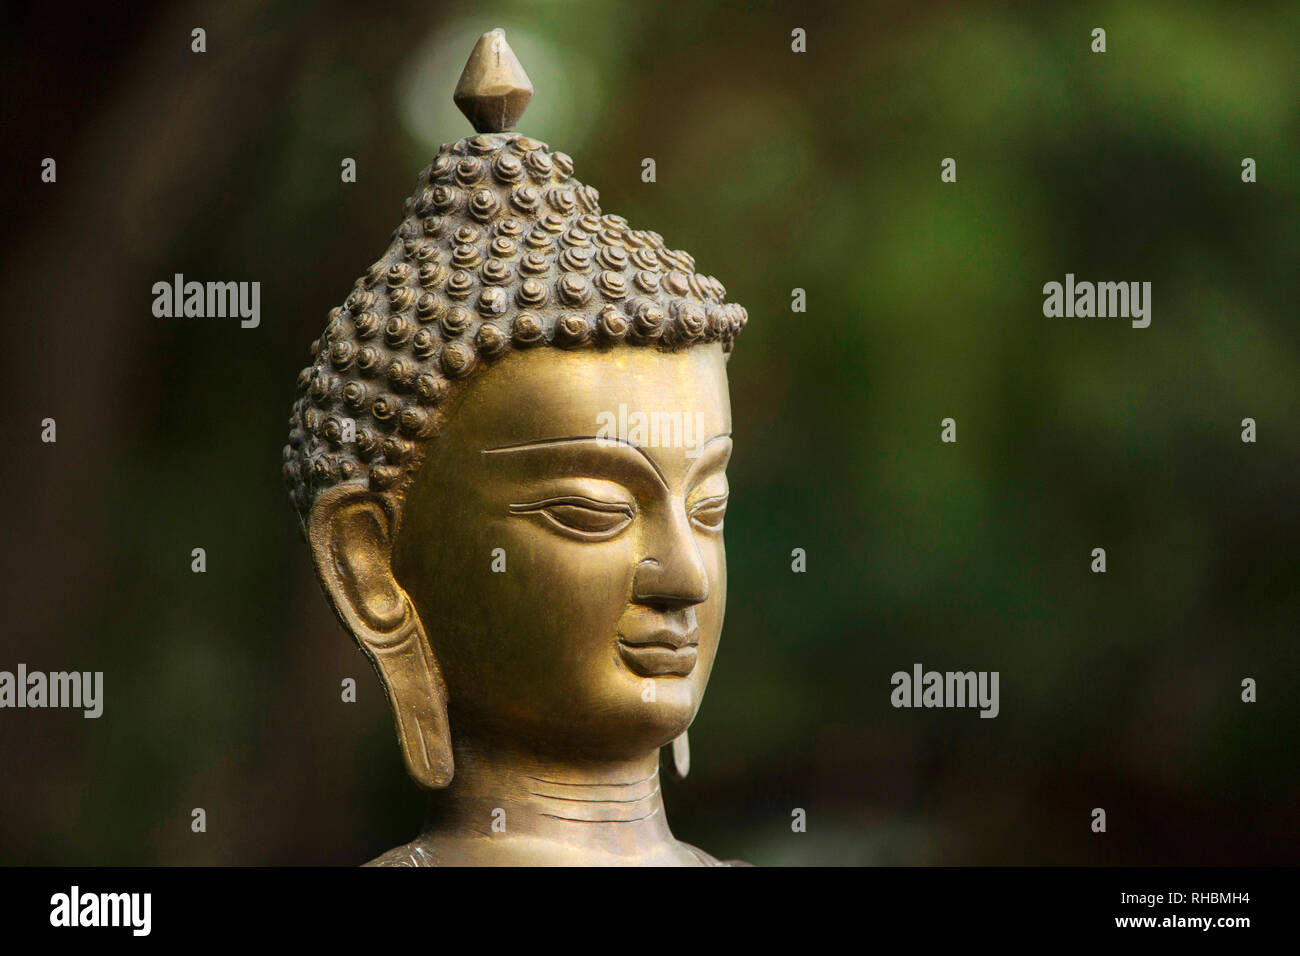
{"points": [[509, 456], [493, 90]]}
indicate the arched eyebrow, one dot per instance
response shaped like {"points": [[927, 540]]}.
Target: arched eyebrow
{"points": [[703, 456], [543, 443]]}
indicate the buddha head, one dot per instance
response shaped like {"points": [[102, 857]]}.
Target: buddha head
{"points": [[508, 456]]}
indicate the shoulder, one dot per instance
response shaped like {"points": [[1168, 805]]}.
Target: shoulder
{"points": [[708, 859], [408, 854]]}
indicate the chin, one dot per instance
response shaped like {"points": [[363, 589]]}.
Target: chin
{"points": [[656, 723]]}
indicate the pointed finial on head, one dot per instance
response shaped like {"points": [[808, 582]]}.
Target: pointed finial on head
{"points": [[493, 90]]}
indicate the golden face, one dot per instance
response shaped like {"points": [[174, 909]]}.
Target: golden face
{"points": [[562, 546]]}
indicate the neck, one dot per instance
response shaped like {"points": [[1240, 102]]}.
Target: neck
{"points": [[516, 807]]}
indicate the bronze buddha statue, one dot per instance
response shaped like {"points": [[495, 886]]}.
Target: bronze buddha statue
{"points": [[541, 599]]}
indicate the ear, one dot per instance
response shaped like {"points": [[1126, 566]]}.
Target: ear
{"points": [[351, 532]]}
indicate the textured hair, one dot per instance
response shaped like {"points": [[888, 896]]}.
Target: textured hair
{"points": [[500, 248]]}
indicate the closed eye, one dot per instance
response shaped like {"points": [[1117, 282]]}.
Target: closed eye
{"points": [[581, 517], [708, 514]]}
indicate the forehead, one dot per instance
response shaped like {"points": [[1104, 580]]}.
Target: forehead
{"points": [[551, 393]]}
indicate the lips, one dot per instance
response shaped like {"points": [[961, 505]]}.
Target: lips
{"points": [[663, 653]]}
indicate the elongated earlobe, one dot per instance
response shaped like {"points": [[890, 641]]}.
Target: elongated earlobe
{"points": [[417, 696], [351, 533], [677, 757]]}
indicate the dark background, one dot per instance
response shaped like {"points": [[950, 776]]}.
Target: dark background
{"points": [[776, 170]]}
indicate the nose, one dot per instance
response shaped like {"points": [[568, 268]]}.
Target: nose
{"points": [[672, 573]]}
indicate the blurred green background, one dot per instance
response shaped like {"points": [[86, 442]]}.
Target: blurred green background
{"points": [[776, 170]]}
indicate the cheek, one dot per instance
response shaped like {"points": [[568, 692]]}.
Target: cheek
{"points": [[710, 614], [560, 598]]}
